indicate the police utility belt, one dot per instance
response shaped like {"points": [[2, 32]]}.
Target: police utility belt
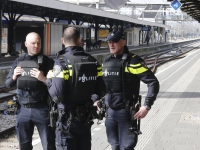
{"points": [[79, 113], [31, 105], [116, 101]]}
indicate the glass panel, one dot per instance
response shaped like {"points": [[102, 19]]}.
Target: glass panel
{"points": [[4, 40], [81, 33], [130, 38]]}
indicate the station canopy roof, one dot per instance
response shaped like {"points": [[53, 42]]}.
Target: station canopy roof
{"points": [[191, 7], [51, 10]]}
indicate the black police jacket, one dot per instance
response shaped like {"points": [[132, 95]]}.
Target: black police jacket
{"points": [[122, 86], [59, 86], [31, 96]]}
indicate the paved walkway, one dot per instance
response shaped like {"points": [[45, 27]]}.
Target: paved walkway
{"points": [[173, 123]]}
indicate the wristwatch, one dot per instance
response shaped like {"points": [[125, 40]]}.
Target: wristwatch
{"points": [[147, 107]]}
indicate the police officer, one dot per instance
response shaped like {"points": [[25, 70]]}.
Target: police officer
{"points": [[75, 78], [28, 73], [122, 73]]}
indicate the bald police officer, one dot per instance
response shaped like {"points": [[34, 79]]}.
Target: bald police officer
{"points": [[28, 73]]}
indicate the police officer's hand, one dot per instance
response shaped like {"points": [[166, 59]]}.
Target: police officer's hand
{"points": [[141, 113], [17, 71], [95, 104], [50, 74], [38, 74]]}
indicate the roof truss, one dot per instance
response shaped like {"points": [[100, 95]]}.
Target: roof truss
{"points": [[191, 7]]}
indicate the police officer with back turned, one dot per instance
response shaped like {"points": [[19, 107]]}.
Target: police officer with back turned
{"points": [[122, 73], [76, 76], [28, 74]]}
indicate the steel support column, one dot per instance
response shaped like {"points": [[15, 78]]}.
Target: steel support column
{"points": [[1, 12], [96, 29]]}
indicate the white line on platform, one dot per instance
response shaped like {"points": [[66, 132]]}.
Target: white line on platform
{"points": [[35, 142], [177, 69], [172, 66], [97, 129], [175, 63]]}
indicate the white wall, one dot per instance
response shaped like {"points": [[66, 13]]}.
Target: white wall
{"points": [[136, 36]]}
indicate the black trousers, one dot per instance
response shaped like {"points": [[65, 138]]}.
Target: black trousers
{"points": [[27, 118], [77, 136], [117, 129]]}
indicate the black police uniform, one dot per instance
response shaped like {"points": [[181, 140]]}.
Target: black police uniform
{"points": [[123, 83], [73, 133], [33, 109]]}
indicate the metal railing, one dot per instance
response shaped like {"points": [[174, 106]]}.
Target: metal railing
{"points": [[179, 17]]}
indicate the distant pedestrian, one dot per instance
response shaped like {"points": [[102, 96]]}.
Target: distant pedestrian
{"points": [[147, 39], [88, 45], [160, 38]]}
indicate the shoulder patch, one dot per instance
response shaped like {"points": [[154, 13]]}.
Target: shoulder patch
{"points": [[133, 56], [135, 60], [56, 70]]}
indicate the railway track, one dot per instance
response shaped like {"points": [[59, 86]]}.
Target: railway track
{"points": [[6, 93], [8, 139], [7, 126], [156, 59], [6, 121]]}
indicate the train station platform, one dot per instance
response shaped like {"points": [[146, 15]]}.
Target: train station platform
{"points": [[139, 50], [100, 54], [173, 123]]}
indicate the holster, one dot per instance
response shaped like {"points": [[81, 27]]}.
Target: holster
{"points": [[133, 121], [103, 109], [61, 114], [15, 104], [81, 113], [72, 114], [127, 105], [92, 111], [53, 118]]}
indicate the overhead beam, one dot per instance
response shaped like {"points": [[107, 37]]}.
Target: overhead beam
{"points": [[1, 13]]}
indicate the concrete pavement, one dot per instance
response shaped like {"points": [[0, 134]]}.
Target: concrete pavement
{"points": [[173, 123]]}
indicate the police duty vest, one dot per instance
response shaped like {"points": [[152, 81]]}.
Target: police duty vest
{"points": [[26, 81], [83, 77], [113, 73]]}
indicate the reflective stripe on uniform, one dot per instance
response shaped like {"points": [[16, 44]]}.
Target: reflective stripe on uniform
{"points": [[137, 69], [99, 73], [135, 65], [63, 74], [70, 72], [99, 68]]}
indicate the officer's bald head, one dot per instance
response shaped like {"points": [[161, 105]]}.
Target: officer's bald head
{"points": [[32, 35], [71, 37], [33, 43]]}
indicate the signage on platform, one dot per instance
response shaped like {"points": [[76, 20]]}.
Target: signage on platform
{"points": [[176, 4], [146, 28]]}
